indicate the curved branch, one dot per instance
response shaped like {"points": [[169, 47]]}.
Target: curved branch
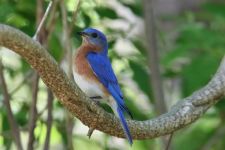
{"points": [[183, 113]]}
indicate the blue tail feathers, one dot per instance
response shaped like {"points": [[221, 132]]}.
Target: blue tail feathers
{"points": [[124, 124], [119, 107]]}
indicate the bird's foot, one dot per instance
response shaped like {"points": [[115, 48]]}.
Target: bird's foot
{"points": [[96, 99]]}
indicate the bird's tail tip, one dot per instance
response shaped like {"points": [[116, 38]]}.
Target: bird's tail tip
{"points": [[124, 125]]}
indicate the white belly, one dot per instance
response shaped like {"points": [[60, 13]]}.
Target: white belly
{"points": [[91, 89]]}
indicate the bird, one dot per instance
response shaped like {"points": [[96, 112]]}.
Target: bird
{"points": [[93, 73]]}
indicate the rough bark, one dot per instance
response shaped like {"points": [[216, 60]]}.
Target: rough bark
{"points": [[183, 113]]}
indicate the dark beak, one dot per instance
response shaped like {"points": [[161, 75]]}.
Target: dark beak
{"points": [[82, 33]]}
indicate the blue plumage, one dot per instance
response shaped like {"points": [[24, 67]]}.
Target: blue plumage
{"points": [[103, 70], [124, 125]]}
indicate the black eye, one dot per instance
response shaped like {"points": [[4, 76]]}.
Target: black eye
{"points": [[94, 35]]}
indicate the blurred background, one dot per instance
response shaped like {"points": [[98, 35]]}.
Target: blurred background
{"points": [[182, 41]]}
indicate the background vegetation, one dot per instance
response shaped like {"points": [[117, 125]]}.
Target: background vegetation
{"points": [[190, 45]]}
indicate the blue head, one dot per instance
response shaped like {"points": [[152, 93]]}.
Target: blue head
{"points": [[95, 38]]}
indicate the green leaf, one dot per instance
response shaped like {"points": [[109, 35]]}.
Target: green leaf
{"points": [[5, 10], [17, 20], [86, 18], [140, 46], [6, 129], [106, 12], [55, 47], [136, 112], [136, 8], [141, 77], [215, 8], [21, 116], [199, 72]]}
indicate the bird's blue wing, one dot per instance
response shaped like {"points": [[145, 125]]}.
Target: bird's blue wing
{"points": [[104, 72], [103, 69]]}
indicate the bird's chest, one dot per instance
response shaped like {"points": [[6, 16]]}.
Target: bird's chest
{"points": [[89, 87], [86, 79]]}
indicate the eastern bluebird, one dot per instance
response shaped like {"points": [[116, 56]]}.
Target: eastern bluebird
{"points": [[93, 73]]}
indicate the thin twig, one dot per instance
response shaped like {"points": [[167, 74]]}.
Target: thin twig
{"points": [[67, 32], [69, 130], [217, 136], [52, 15], [169, 142], [12, 122], [65, 36], [153, 57], [26, 76], [74, 17], [41, 112], [40, 26], [33, 112], [49, 119]]}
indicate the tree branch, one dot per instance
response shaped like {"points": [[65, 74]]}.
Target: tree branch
{"points": [[12, 121], [40, 26], [183, 113], [74, 17], [26, 76], [49, 119], [152, 51], [33, 115]]}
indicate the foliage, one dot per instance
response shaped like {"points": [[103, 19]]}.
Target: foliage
{"points": [[191, 57]]}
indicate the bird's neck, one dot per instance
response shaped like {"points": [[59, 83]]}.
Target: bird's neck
{"points": [[86, 48]]}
